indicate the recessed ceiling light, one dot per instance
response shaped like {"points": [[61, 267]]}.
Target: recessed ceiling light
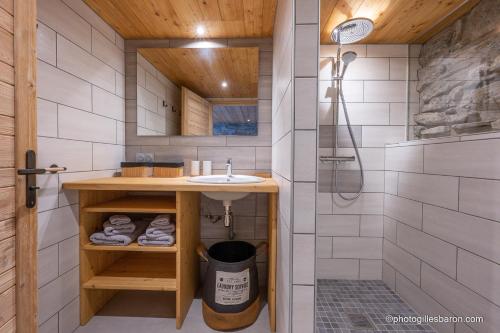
{"points": [[224, 84], [200, 30]]}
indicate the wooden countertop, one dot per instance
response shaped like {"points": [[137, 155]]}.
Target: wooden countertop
{"points": [[167, 184]]}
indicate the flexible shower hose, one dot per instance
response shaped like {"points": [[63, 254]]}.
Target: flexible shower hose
{"points": [[351, 134]]}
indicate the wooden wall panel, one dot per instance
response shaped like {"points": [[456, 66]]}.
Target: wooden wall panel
{"points": [[7, 279], [7, 229], [6, 98], [7, 49], [6, 73], [6, 151], [9, 327], [7, 203], [7, 305], [7, 175], [6, 125], [7, 254], [8, 5], [6, 20]]}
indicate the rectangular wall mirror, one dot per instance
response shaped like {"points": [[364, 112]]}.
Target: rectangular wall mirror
{"points": [[197, 91]]}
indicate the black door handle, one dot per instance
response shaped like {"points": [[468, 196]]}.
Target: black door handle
{"points": [[30, 172], [52, 169]]}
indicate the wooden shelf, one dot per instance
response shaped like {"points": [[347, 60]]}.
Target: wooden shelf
{"points": [[177, 184], [137, 271], [135, 204], [133, 247]]}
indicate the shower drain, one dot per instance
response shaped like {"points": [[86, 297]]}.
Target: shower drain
{"points": [[360, 321]]}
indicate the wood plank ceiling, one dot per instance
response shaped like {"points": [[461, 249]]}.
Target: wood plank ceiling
{"points": [[142, 19], [396, 21], [204, 70]]}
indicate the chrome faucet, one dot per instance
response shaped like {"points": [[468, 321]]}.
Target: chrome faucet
{"points": [[229, 168]]}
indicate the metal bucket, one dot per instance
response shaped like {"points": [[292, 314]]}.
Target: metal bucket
{"points": [[231, 282]]}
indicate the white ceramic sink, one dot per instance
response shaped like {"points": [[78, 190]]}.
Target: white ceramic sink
{"points": [[227, 197], [223, 179]]}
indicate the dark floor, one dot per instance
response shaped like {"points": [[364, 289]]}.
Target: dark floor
{"points": [[350, 306]]}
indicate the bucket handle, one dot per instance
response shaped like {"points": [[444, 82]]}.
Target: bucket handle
{"points": [[260, 245], [201, 249]]}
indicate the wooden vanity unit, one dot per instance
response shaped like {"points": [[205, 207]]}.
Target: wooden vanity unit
{"points": [[104, 270]]}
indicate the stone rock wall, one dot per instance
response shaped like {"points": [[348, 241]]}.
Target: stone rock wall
{"points": [[459, 77]]}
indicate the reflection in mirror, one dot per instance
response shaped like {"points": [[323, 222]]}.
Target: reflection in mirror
{"points": [[234, 119], [197, 91]]}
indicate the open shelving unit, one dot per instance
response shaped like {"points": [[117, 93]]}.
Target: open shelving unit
{"points": [[107, 269], [137, 272], [169, 273]]}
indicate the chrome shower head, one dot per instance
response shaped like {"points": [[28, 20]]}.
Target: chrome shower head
{"points": [[352, 31], [347, 58]]}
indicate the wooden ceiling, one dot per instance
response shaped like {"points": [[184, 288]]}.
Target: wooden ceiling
{"points": [[396, 21], [142, 19], [204, 70]]}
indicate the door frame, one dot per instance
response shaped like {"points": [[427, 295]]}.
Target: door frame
{"points": [[25, 138]]}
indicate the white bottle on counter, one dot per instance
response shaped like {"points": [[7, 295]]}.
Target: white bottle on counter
{"points": [[195, 168], [207, 168]]}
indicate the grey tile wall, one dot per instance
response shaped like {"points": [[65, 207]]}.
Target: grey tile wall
{"points": [[375, 90], [441, 226], [81, 112], [305, 141]]}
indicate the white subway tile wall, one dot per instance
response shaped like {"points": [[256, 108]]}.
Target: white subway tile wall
{"points": [[282, 159], [303, 308], [420, 301], [81, 112], [441, 228], [305, 34], [375, 90]]}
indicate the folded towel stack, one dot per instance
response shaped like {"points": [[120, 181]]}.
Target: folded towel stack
{"points": [[118, 230], [119, 224], [159, 232], [119, 219]]}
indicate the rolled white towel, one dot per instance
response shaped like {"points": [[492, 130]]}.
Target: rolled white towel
{"points": [[101, 238], [155, 231], [161, 220], [118, 229], [119, 219], [168, 240]]}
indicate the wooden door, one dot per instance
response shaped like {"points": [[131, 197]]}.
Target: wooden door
{"points": [[18, 289], [196, 114]]}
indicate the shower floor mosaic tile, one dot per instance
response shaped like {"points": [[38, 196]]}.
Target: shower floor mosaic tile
{"points": [[350, 306]]}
